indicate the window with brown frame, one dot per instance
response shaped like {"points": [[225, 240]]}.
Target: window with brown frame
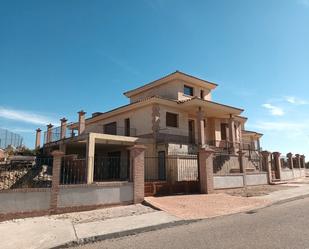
{"points": [[171, 119]]}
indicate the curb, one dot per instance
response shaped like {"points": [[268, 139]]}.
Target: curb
{"points": [[97, 238]]}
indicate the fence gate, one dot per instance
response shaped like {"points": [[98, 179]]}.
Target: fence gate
{"points": [[171, 174]]}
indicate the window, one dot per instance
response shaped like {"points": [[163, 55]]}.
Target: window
{"points": [[223, 131], [188, 90], [127, 127], [171, 119], [110, 128], [202, 94]]}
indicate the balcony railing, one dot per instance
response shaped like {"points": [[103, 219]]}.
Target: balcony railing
{"points": [[55, 134], [175, 136], [116, 130]]}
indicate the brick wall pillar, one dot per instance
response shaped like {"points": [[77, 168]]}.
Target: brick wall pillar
{"points": [[81, 122], [303, 161], [63, 128], [137, 154], [38, 138], [57, 157], [290, 160], [267, 163], [277, 163], [242, 166], [206, 175], [49, 133]]}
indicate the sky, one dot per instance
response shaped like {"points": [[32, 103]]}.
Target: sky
{"points": [[58, 57]]}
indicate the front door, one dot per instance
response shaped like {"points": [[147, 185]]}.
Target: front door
{"points": [[161, 165]]}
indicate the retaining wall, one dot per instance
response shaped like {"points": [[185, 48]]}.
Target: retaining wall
{"points": [[95, 194]]}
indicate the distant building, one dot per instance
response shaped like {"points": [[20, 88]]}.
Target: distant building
{"points": [[10, 138]]}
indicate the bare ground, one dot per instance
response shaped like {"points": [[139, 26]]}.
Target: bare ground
{"points": [[254, 190]]}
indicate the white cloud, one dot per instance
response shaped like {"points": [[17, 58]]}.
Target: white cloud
{"points": [[25, 116], [295, 100], [274, 110]]}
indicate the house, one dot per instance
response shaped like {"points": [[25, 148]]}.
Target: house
{"points": [[171, 116]]}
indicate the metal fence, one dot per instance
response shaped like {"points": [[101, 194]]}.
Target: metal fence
{"points": [[172, 168], [26, 173], [55, 134], [111, 168], [9, 138], [73, 170]]}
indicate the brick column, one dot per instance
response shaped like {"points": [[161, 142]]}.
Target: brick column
{"points": [[49, 133], [57, 157], [38, 138], [137, 154], [63, 128], [206, 174], [201, 127], [277, 163], [242, 166], [267, 162], [290, 160], [81, 122], [232, 136]]}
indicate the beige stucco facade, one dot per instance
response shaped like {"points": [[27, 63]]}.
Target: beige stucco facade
{"points": [[197, 122]]}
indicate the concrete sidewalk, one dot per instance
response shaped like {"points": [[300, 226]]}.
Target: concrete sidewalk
{"points": [[57, 230], [300, 189]]}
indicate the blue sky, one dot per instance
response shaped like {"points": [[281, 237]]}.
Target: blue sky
{"points": [[57, 57]]}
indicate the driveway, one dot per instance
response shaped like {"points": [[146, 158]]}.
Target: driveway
{"points": [[205, 206]]}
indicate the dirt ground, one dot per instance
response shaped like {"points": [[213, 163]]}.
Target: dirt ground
{"points": [[105, 213], [254, 190]]}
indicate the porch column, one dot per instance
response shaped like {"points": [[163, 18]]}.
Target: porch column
{"points": [[232, 134], [49, 133], [290, 160], [63, 128], [90, 150], [277, 163], [81, 122], [201, 127], [297, 160], [137, 154], [267, 162], [303, 161], [206, 175], [38, 138]]}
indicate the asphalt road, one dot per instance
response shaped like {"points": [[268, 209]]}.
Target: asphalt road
{"points": [[279, 226]]}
